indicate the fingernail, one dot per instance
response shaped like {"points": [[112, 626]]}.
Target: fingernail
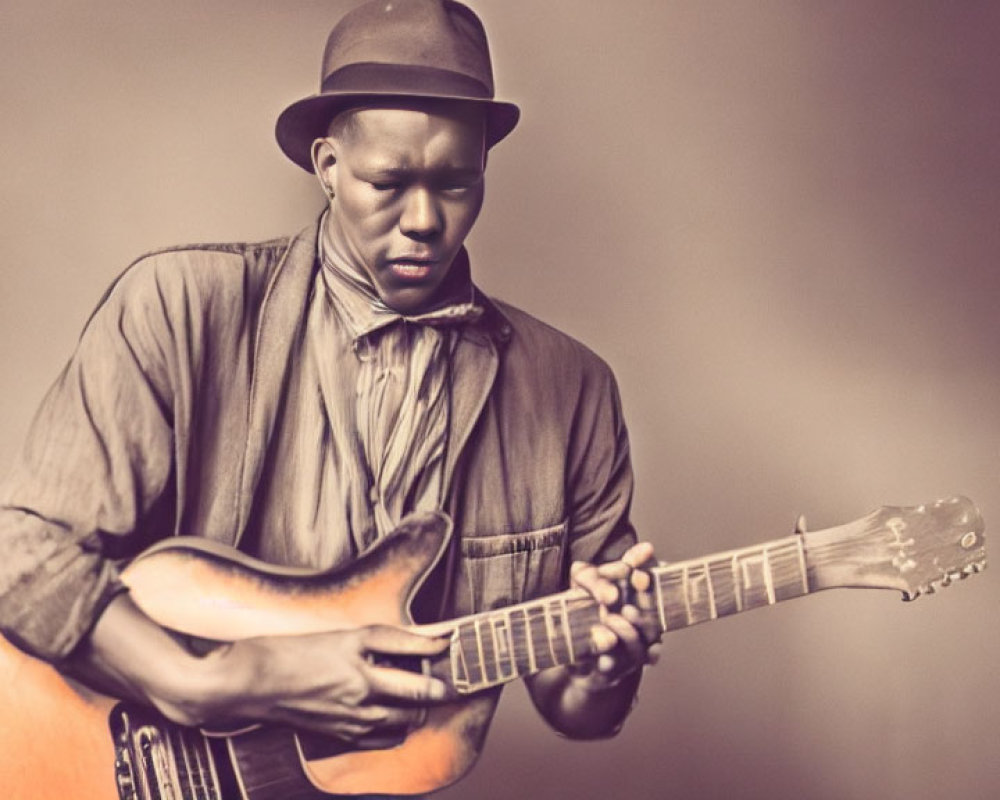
{"points": [[602, 638]]}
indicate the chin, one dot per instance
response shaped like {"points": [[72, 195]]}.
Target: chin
{"points": [[407, 300]]}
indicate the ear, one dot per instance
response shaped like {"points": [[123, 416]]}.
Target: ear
{"points": [[324, 159]]}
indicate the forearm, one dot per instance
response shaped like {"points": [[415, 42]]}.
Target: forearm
{"points": [[581, 707], [325, 682], [130, 656]]}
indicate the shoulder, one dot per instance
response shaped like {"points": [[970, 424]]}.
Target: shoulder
{"points": [[548, 348], [199, 276], [204, 267]]}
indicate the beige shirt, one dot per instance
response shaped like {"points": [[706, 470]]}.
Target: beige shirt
{"points": [[361, 440]]}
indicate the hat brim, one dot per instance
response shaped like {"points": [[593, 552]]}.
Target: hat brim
{"points": [[303, 122]]}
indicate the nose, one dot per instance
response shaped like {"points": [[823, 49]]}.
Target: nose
{"points": [[421, 218]]}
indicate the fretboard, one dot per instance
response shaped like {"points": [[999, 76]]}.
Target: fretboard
{"points": [[495, 647]]}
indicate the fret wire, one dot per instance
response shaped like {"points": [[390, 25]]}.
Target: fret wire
{"points": [[768, 577], [467, 645], [458, 660], [550, 633], [508, 636], [539, 634], [737, 586], [532, 663], [514, 645], [492, 621], [511, 643], [713, 611], [508, 642], [481, 652], [566, 630], [685, 592], [662, 611], [476, 655], [800, 550]]}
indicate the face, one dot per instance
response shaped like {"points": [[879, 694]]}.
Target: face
{"points": [[407, 188]]}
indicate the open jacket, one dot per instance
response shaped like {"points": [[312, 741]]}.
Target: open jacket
{"points": [[160, 425]]}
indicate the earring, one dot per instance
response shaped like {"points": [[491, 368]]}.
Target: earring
{"points": [[329, 191]]}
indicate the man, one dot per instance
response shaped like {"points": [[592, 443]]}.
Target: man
{"points": [[300, 398]]}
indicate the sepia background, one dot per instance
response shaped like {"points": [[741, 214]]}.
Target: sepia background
{"points": [[778, 221]]}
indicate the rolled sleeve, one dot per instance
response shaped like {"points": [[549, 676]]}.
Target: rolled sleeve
{"points": [[97, 456]]}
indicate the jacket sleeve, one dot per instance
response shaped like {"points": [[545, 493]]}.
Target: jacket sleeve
{"points": [[600, 480], [97, 457]]}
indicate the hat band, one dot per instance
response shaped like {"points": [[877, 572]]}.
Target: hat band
{"points": [[408, 79]]}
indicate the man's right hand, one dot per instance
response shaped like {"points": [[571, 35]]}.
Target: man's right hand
{"points": [[324, 682], [329, 683]]}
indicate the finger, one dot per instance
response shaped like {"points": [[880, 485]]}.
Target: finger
{"points": [[614, 570], [602, 639], [403, 685], [632, 645], [638, 554], [590, 579], [641, 580], [398, 641], [653, 653], [606, 663], [647, 625]]}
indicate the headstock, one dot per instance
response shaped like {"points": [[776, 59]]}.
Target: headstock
{"points": [[913, 549]]}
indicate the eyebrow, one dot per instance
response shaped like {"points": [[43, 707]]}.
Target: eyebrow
{"points": [[398, 172]]}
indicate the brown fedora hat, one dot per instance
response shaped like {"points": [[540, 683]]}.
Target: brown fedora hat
{"points": [[434, 49]]}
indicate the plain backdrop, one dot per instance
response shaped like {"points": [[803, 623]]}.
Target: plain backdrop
{"points": [[778, 221]]}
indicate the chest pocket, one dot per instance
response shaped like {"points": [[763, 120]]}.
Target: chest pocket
{"points": [[510, 568]]}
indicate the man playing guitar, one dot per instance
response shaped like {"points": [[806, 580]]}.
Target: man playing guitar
{"points": [[300, 398]]}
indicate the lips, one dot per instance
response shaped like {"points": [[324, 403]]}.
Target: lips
{"points": [[412, 268]]}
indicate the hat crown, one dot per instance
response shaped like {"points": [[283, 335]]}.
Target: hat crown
{"points": [[435, 35], [406, 49]]}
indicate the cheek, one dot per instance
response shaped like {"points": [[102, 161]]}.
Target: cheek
{"points": [[367, 220], [463, 215]]}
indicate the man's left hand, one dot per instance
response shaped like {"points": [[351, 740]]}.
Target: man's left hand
{"points": [[628, 635]]}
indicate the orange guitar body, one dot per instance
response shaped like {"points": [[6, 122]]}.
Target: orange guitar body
{"points": [[55, 736]]}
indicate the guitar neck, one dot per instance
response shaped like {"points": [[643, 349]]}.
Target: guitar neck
{"points": [[910, 549], [495, 647]]}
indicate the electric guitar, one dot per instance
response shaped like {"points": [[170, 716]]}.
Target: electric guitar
{"points": [[210, 592]]}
